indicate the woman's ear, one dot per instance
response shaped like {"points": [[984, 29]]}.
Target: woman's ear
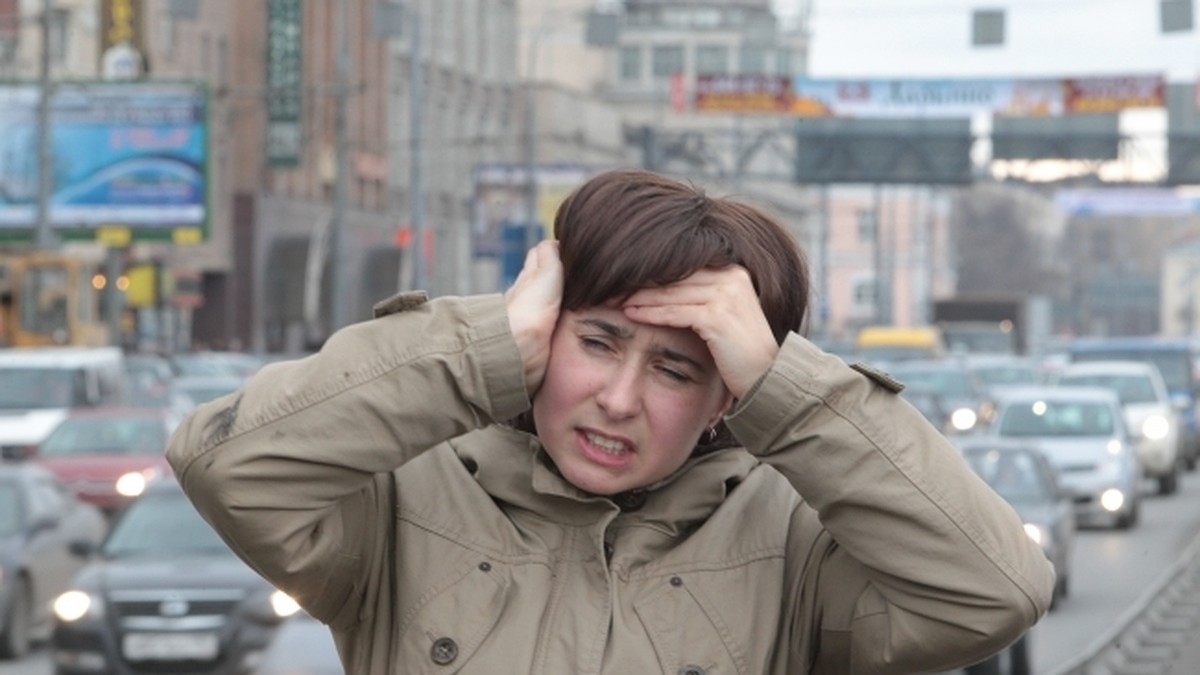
{"points": [[726, 404]]}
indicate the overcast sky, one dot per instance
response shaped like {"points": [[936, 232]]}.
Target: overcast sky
{"points": [[1045, 38]]}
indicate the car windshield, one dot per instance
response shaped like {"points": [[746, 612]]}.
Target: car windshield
{"points": [[1174, 364], [947, 382], [33, 388], [1004, 375], [1013, 475], [1057, 418], [107, 435], [1129, 388], [163, 523], [10, 508], [203, 393]]}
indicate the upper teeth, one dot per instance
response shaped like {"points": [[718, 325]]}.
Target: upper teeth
{"points": [[605, 443]]}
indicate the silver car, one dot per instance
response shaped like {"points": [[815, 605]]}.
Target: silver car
{"points": [[1082, 432], [1153, 420]]}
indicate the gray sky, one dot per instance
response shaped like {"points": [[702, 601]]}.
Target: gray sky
{"points": [[1045, 38]]}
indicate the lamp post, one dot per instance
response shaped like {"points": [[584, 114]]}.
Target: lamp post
{"points": [[44, 238]]}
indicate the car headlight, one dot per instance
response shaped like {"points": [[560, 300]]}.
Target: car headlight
{"points": [[271, 607], [75, 605], [134, 483], [963, 419], [283, 605], [1155, 427]]}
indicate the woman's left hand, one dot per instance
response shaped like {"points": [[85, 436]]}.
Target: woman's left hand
{"points": [[723, 309]]}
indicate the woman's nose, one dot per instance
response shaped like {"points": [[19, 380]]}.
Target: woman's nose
{"points": [[621, 393]]}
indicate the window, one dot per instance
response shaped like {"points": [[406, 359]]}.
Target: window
{"points": [[863, 293], [667, 60], [712, 59], [752, 60], [866, 225], [630, 64], [784, 62]]}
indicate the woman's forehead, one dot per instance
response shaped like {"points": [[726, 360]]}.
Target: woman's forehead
{"points": [[613, 321]]}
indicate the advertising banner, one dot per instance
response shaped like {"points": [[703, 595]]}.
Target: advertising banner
{"points": [[936, 98], [124, 154], [743, 93], [122, 39], [285, 82]]}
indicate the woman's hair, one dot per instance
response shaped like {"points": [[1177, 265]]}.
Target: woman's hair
{"points": [[629, 229]]}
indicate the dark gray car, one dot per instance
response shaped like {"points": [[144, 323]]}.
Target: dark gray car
{"points": [[164, 594]]}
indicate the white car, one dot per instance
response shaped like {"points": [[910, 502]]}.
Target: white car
{"points": [[1082, 432], [1153, 420]]}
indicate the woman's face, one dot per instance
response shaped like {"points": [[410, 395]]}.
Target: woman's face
{"points": [[623, 404]]}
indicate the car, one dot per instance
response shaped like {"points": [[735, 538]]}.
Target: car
{"points": [[108, 455], [1082, 432], [1175, 359], [1022, 474], [301, 646], [209, 362], [39, 521], [1149, 414], [958, 389], [1003, 370], [204, 388], [164, 594], [39, 385]]}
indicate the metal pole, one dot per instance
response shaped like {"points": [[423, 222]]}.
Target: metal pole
{"points": [[341, 185], [416, 149], [531, 235], [44, 238]]}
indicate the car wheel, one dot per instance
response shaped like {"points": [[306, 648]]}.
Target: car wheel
{"points": [[1169, 484], [1018, 656], [18, 623], [1130, 518]]}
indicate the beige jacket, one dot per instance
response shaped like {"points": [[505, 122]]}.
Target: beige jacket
{"points": [[373, 483]]}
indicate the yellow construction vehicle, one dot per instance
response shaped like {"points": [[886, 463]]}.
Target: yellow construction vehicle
{"points": [[49, 298]]}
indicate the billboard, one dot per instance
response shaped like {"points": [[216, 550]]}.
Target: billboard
{"points": [[936, 98], [125, 155]]}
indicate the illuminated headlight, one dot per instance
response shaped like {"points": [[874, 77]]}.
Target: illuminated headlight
{"points": [[1112, 500], [75, 605], [134, 483], [1036, 533], [963, 419], [1114, 447], [283, 605], [1156, 427]]}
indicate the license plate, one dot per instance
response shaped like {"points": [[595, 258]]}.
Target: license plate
{"points": [[170, 646]]}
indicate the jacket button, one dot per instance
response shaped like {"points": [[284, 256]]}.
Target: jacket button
{"points": [[691, 670], [444, 651], [676, 581]]}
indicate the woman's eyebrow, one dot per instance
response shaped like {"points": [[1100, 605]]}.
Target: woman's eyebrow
{"points": [[608, 327], [672, 355]]}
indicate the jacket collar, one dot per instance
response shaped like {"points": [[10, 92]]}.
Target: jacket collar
{"points": [[509, 462]]}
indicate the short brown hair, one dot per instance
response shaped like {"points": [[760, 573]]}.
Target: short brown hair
{"points": [[628, 229]]}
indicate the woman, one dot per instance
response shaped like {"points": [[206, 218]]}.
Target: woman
{"points": [[629, 463]]}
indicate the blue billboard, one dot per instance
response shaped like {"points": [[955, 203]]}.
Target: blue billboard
{"points": [[131, 155]]}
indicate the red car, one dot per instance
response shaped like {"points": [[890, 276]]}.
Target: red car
{"points": [[107, 455]]}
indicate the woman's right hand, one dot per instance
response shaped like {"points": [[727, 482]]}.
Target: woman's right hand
{"points": [[533, 304]]}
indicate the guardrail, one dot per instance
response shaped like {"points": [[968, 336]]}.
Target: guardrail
{"points": [[1146, 638]]}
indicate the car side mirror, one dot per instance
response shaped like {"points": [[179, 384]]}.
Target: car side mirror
{"points": [[81, 548]]}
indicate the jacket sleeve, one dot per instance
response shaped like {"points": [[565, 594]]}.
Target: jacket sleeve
{"points": [[924, 566], [294, 469]]}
